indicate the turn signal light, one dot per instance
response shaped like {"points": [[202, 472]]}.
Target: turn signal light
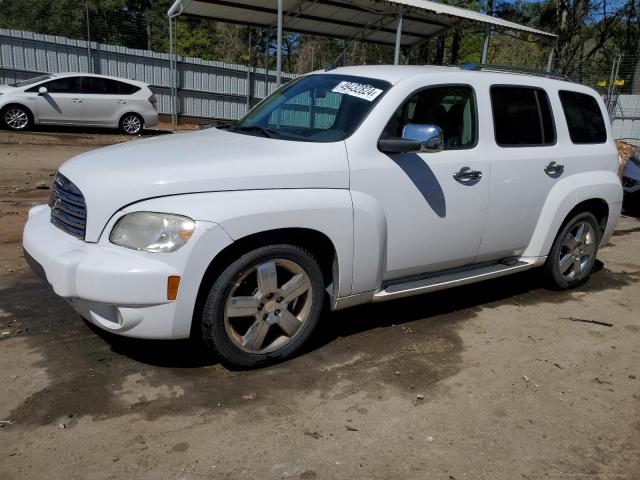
{"points": [[173, 284]]}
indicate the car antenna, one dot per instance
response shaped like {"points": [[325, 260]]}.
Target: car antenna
{"points": [[331, 66]]}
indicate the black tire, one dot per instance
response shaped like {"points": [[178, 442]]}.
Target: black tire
{"points": [[129, 119], [9, 112], [552, 268], [215, 334]]}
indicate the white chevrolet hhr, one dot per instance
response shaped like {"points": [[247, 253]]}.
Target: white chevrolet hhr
{"points": [[78, 99], [356, 185]]}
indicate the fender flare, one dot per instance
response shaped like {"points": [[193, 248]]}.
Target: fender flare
{"points": [[233, 215], [564, 197]]}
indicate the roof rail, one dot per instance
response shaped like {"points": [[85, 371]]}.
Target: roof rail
{"points": [[477, 67]]}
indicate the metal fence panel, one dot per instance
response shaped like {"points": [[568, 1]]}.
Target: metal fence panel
{"points": [[625, 119], [206, 88]]}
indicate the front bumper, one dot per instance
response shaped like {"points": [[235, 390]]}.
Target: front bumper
{"points": [[117, 289]]}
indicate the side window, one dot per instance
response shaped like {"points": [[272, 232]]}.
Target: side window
{"points": [[60, 85], [452, 108], [584, 118], [522, 117], [103, 86], [127, 88]]}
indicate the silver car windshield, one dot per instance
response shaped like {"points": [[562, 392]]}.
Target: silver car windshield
{"points": [[314, 108], [31, 81]]}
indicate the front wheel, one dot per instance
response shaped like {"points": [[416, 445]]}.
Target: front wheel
{"points": [[131, 124], [264, 306], [573, 252], [17, 117]]}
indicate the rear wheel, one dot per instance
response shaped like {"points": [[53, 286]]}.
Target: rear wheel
{"points": [[573, 252], [17, 117], [264, 306], [131, 124]]}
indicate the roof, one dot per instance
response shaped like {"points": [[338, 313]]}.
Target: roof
{"points": [[84, 74], [369, 20], [396, 73], [390, 73]]}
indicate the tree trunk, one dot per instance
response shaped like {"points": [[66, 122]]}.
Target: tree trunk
{"points": [[439, 58], [455, 47]]}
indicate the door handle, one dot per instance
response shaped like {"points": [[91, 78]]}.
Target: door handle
{"points": [[467, 176], [122, 102], [554, 169], [76, 100]]}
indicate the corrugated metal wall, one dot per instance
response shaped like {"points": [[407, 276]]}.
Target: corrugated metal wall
{"points": [[626, 119], [205, 88]]}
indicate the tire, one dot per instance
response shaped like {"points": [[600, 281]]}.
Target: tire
{"points": [[253, 317], [573, 253], [131, 124], [17, 118]]}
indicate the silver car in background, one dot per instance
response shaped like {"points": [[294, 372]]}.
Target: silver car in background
{"points": [[78, 99]]}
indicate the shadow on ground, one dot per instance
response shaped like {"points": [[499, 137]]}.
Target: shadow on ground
{"points": [[363, 347]]}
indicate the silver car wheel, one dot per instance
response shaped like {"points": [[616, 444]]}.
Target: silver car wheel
{"points": [[268, 305], [131, 124], [576, 253], [16, 118]]}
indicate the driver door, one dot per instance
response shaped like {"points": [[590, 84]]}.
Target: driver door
{"points": [[62, 104], [434, 220]]}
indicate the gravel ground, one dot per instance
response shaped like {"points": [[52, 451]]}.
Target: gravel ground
{"points": [[500, 380]]}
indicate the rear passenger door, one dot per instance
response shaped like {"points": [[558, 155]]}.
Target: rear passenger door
{"points": [[105, 100], [526, 163]]}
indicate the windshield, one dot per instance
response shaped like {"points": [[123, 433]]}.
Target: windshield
{"points": [[31, 81], [314, 108]]}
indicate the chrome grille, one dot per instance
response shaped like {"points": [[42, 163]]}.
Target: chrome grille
{"points": [[68, 209]]}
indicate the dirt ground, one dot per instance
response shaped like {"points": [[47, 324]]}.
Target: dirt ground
{"points": [[496, 380]]}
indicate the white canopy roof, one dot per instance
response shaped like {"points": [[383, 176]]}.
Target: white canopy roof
{"points": [[370, 20]]}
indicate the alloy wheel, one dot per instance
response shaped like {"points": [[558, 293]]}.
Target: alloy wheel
{"points": [[268, 305], [577, 250], [131, 124], [16, 118]]}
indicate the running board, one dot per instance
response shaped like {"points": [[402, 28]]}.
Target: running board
{"points": [[448, 280]]}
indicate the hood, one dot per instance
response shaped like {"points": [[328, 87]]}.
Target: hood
{"points": [[205, 161], [7, 89]]}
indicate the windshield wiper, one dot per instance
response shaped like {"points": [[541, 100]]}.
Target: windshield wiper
{"points": [[267, 132]]}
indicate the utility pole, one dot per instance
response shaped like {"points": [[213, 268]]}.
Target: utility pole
{"points": [[249, 70], [89, 60], [487, 34]]}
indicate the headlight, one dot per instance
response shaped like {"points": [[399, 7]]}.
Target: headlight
{"points": [[152, 232]]}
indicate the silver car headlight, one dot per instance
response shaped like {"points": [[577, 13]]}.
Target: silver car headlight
{"points": [[153, 232]]}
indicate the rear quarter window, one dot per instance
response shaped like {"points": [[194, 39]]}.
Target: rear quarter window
{"points": [[584, 117]]}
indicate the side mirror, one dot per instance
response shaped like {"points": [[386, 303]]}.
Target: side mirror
{"points": [[416, 138], [42, 90], [430, 137]]}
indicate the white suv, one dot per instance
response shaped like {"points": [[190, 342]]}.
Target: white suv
{"points": [[356, 185], [78, 99]]}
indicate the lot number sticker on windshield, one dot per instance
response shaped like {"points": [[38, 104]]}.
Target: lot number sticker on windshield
{"points": [[360, 90]]}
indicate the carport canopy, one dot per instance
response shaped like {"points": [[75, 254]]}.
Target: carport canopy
{"points": [[393, 22]]}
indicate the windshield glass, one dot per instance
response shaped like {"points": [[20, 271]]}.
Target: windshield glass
{"points": [[31, 81], [314, 108]]}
